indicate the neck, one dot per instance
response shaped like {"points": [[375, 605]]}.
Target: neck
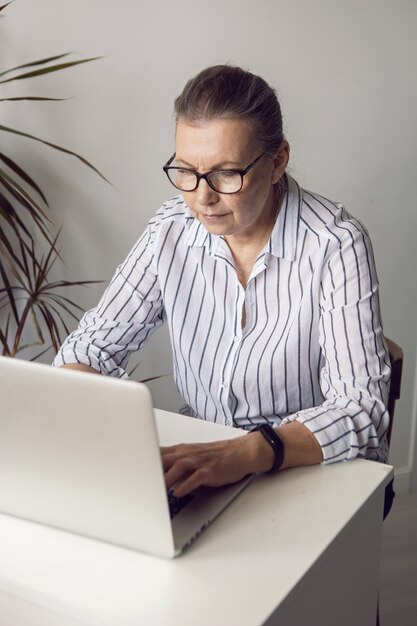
{"points": [[256, 238]]}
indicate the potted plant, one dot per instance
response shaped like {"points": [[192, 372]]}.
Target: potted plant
{"points": [[31, 304]]}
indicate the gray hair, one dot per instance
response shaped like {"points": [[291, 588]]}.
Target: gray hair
{"points": [[226, 91]]}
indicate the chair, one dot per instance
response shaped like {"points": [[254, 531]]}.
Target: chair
{"points": [[396, 357]]}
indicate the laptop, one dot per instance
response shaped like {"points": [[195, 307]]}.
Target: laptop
{"points": [[80, 452]]}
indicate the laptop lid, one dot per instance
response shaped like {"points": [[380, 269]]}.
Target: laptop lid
{"points": [[81, 452]]}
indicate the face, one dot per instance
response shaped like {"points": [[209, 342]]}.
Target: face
{"points": [[228, 144]]}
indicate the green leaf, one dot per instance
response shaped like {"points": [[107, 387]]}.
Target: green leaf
{"points": [[3, 341], [24, 251], [23, 175], [60, 301], [32, 98], [5, 335], [46, 70], [148, 380], [4, 6], [60, 316], [38, 356], [36, 211], [52, 145], [71, 283], [8, 253], [9, 291], [35, 63], [28, 203], [15, 265], [7, 211], [51, 325]]}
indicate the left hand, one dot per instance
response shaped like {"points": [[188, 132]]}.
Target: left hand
{"points": [[188, 466]]}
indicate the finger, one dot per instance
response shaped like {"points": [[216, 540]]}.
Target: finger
{"points": [[176, 448], [168, 460], [190, 484], [171, 453], [178, 471]]}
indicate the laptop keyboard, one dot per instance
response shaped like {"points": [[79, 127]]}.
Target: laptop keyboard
{"points": [[177, 504]]}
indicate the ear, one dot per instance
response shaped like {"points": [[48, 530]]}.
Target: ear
{"points": [[280, 161]]}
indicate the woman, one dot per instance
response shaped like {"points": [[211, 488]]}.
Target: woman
{"points": [[269, 291]]}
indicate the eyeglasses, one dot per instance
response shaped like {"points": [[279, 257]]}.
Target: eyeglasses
{"points": [[222, 181]]}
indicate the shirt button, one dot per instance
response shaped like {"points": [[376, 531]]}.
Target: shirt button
{"points": [[223, 385], [236, 339]]}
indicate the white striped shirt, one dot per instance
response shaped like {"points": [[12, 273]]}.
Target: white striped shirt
{"points": [[312, 349]]}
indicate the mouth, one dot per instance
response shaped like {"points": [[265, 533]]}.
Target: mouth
{"points": [[213, 217]]}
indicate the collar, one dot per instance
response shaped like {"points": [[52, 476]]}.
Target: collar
{"points": [[197, 236], [283, 240]]}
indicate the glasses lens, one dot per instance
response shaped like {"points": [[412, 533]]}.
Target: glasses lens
{"points": [[182, 179], [225, 181]]}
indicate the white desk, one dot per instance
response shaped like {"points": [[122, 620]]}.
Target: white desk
{"points": [[300, 548]]}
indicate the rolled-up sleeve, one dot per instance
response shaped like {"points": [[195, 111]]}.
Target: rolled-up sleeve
{"points": [[353, 419], [130, 310]]}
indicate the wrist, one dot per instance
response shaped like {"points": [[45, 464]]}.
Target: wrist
{"points": [[261, 455], [275, 444]]}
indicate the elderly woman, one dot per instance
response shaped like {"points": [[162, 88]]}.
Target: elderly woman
{"points": [[269, 291]]}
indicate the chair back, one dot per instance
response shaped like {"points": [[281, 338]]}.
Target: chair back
{"points": [[396, 356]]}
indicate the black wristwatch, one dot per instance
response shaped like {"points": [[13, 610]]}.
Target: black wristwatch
{"points": [[274, 441]]}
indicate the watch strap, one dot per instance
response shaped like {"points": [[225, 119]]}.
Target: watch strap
{"points": [[275, 441]]}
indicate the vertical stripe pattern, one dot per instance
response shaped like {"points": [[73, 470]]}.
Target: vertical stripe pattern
{"points": [[312, 349]]}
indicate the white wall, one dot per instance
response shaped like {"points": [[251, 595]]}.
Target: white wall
{"points": [[346, 75]]}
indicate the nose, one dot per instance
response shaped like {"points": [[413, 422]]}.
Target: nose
{"points": [[205, 195]]}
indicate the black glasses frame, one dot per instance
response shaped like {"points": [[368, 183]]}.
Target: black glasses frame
{"points": [[167, 168]]}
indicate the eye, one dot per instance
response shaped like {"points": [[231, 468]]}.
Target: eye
{"points": [[226, 174], [186, 180], [226, 181]]}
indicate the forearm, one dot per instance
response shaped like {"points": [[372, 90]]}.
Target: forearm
{"points": [[188, 466], [347, 426], [300, 448]]}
